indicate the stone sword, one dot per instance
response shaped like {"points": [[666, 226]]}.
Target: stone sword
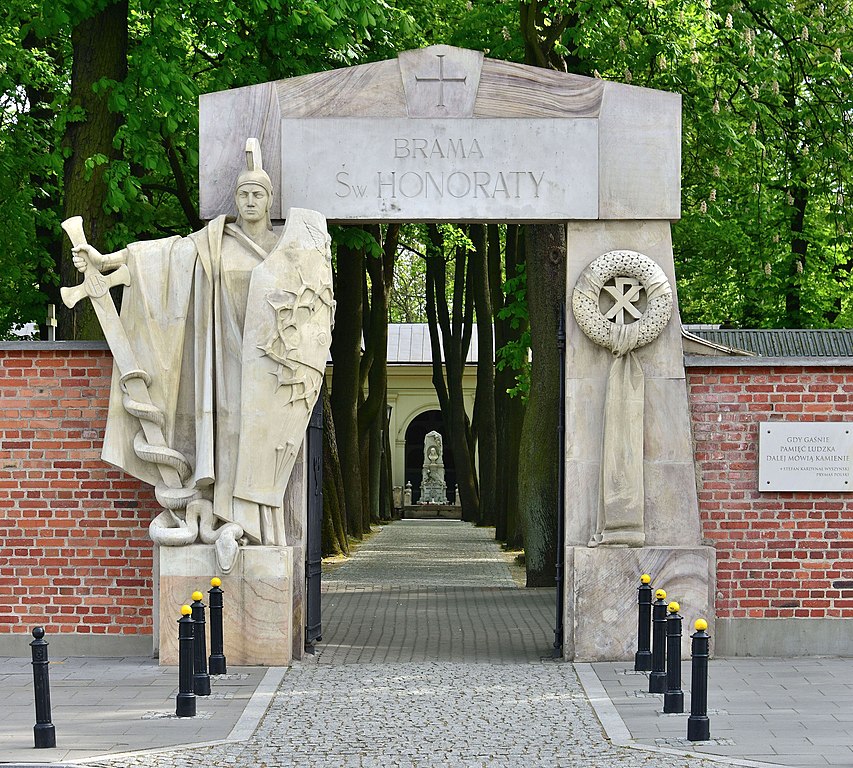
{"points": [[97, 287]]}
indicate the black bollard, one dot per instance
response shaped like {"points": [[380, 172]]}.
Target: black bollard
{"points": [[216, 661], [673, 697], [43, 731], [185, 706], [201, 680], [657, 678], [643, 656], [698, 725]]}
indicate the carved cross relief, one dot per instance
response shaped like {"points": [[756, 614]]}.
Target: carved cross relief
{"points": [[628, 296], [441, 79]]}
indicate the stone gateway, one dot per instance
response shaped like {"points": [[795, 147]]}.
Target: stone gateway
{"points": [[439, 134], [445, 134]]}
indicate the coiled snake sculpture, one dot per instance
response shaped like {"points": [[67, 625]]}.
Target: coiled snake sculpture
{"points": [[187, 516]]}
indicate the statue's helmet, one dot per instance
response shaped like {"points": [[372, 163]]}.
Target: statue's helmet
{"points": [[255, 173]]}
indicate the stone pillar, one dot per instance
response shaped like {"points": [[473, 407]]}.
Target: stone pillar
{"points": [[601, 583]]}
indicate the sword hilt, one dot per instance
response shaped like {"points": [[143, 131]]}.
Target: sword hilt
{"points": [[74, 229], [94, 284]]}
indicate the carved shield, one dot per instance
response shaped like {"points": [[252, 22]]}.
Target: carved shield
{"points": [[286, 341]]}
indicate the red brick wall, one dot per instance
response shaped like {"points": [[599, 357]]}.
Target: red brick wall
{"points": [[75, 554], [779, 555]]}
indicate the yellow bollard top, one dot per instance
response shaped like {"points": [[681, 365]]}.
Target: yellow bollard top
{"points": [[216, 582], [660, 594], [645, 579], [186, 610], [701, 625], [673, 607], [197, 596]]}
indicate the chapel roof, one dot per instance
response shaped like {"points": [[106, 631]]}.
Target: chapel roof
{"points": [[409, 344]]}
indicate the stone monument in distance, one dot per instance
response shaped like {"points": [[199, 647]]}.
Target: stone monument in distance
{"points": [[433, 486]]}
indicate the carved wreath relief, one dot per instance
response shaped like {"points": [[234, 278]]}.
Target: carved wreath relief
{"points": [[622, 301], [641, 296]]}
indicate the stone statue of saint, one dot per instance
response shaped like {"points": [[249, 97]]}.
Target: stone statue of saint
{"points": [[219, 352], [433, 486]]}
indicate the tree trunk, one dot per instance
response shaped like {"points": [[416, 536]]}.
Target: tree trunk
{"points": [[334, 537], [364, 459], [484, 402], [371, 415], [509, 411], [346, 355], [386, 496], [375, 465], [545, 46], [99, 50], [539, 449], [455, 338]]}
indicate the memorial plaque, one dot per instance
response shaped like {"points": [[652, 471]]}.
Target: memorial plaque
{"points": [[811, 456], [441, 170]]}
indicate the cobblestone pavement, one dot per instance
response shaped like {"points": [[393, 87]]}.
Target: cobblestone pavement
{"points": [[470, 695], [428, 553], [425, 715], [432, 590]]}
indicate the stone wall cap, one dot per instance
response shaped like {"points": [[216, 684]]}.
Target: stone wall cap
{"points": [[41, 346], [712, 361]]}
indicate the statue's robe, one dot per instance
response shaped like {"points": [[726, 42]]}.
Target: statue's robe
{"points": [[235, 407]]}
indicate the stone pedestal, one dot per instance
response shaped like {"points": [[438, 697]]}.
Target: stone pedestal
{"points": [[601, 596], [432, 512], [258, 601]]}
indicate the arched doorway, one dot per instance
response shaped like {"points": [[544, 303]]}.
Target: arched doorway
{"points": [[416, 431]]}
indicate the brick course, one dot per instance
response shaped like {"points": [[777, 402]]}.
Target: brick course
{"points": [[779, 555], [75, 553]]}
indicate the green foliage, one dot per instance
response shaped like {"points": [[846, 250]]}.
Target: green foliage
{"points": [[765, 234], [407, 302], [30, 167], [774, 181], [516, 354], [356, 238], [490, 26], [176, 51], [455, 238], [764, 238]]}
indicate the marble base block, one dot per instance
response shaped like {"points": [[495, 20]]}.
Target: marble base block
{"points": [[258, 602], [601, 596]]}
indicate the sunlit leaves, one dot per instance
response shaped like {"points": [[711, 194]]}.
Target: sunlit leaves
{"points": [[176, 52], [766, 153]]}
